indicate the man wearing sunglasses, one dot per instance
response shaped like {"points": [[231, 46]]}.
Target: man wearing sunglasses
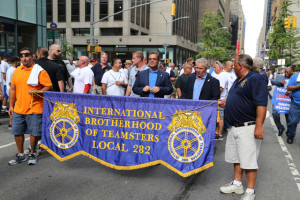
{"points": [[55, 56], [26, 108]]}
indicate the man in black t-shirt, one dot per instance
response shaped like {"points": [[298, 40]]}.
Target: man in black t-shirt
{"points": [[182, 79], [51, 68], [55, 56]]}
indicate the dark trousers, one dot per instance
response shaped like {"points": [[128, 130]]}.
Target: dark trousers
{"points": [[294, 118], [276, 117]]}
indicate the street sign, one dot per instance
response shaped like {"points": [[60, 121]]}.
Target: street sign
{"points": [[53, 26], [162, 50], [281, 61], [95, 41], [50, 34]]}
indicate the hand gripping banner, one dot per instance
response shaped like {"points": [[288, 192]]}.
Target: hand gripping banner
{"points": [[127, 133]]}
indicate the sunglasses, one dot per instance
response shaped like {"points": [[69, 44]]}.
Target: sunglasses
{"points": [[25, 54]]}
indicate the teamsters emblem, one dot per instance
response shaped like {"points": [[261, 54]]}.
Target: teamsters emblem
{"points": [[185, 142], [64, 131]]}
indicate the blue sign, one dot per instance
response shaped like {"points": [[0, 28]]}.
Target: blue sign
{"points": [[128, 133], [280, 101], [53, 26]]}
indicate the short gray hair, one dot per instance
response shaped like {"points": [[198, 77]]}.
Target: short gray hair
{"points": [[202, 60], [258, 62]]}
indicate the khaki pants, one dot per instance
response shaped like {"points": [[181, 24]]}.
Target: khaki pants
{"points": [[97, 89]]}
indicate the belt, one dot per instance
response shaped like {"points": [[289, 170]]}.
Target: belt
{"points": [[243, 124]]}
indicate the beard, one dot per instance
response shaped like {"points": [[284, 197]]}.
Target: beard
{"points": [[56, 57]]}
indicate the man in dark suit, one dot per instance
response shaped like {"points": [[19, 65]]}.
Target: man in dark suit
{"points": [[201, 85], [152, 82]]}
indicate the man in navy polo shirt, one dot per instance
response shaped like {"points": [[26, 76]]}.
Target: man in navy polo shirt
{"points": [[293, 89], [245, 111], [99, 69]]}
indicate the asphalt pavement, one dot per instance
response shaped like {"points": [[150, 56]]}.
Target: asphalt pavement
{"points": [[82, 178]]}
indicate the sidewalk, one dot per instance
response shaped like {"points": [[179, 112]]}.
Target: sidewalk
{"points": [[4, 118]]}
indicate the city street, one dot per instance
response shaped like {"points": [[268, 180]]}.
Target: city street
{"points": [[82, 178]]}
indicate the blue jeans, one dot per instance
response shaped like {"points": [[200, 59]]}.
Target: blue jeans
{"points": [[276, 117], [294, 118]]}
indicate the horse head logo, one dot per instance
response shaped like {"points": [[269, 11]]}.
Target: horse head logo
{"points": [[68, 110]]}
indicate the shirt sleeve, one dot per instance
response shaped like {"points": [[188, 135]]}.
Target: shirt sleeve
{"points": [[44, 79], [178, 82], [293, 79], [105, 78], [259, 91], [88, 77]]}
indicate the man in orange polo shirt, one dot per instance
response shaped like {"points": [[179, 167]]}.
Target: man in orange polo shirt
{"points": [[28, 109]]}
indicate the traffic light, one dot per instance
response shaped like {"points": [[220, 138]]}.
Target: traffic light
{"points": [[168, 60], [173, 8], [294, 21], [287, 23], [94, 48]]}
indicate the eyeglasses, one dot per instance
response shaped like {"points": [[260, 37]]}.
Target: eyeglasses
{"points": [[152, 59], [25, 54], [58, 50]]}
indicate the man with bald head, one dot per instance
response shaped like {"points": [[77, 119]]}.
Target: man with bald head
{"points": [[84, 78], [55, 56], [51, 68]]}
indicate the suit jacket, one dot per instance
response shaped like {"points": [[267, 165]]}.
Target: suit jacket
{"points": [[163, 82], [209, 91]]}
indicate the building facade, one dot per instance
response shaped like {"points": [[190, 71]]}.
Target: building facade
{"points": [[22, 24], [142, 28], [238, 24]]}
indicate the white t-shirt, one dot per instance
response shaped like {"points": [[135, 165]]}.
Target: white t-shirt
{"points": [[85, 76], [110, 77], [9, 75], [224, 78], [70, 68], [4, 68]]}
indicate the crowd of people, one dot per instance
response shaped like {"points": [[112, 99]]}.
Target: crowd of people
{"points": [[239, 86]]}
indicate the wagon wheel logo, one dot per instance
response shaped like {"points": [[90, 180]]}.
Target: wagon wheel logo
{"points": [[64, 132], [185, 144]]}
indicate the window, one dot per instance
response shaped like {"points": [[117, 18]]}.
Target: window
{"points": [[118, 6], [148, 16], [49, 10], [138, 15], [133, 32], [87, 11], [61, 4], [132, 16], [81, 31], [143, 21], [111, 31], [103, 9], [75, 11]]}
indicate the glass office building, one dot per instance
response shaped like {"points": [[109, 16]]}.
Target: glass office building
{"points": [[22, 24]]}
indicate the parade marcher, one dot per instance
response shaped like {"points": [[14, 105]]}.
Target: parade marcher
{"points": [[171, 73], [245, 111], [281, 81], [182, 79], [293, 89], [92, 63], [191, 62], [137, 66], [99, 69], [128, 64], [153, 82], [51, 68], [15, 62], [259, 63], [55, 56], [71, 66], [114, 82], [28, 109], [4, 67], [224, 82], [201, 85], [83, 81]]}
